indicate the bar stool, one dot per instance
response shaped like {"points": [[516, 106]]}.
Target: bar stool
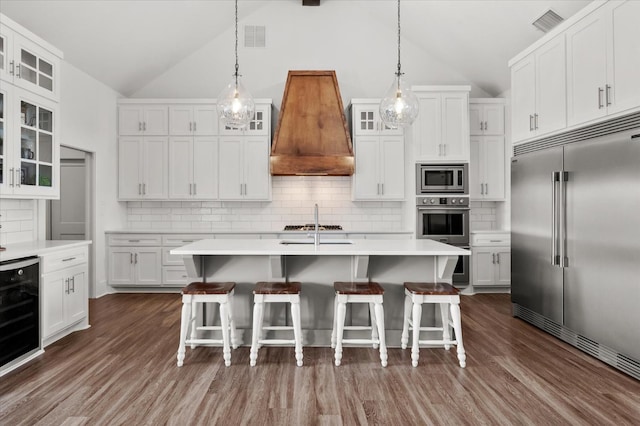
{"points": [[358, 292], [445, 295], [200, 293], [276, 292]]}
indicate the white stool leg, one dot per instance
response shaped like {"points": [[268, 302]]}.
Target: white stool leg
{"points": [[184, 329], [415, 345], [232, 323], [444, 315], [297, 329], [457, 327], [224, 325], [380, 322], [257, 325], [374, 327], [405, 324], [193, 323], [335, 321], [342, 308]]}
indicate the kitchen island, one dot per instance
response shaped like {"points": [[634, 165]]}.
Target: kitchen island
{"points": [[317, 267]]}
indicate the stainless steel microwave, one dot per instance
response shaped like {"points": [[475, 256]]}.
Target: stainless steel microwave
{"points": [[442, 179]]}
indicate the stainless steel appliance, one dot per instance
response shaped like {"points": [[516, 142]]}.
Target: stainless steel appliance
{"points": [[576, 244], [19, 309], [446, 219], [442, 179]]}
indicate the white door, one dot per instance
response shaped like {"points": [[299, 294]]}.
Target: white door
{"points": [[392, 167], [156, 120], [483, 266], [5, 55], [180, 170], [523, 96], [76, 299], [366, 178], [155, 164], [551, 84], [147, 265], [624, 56], [257, 177], [120, 266], [493, 115], [476, 168], [68, 213], [455, 126], [54, 290], [427, 129], [129, 168], [365, 120], [130, 119], [205, 118], [493, 171], [475, 119], [205, 167], [503, 266], [180, 120], [231, 168]]}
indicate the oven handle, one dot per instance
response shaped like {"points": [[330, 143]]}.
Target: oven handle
{"points": [[445, 209], [17, 264]]}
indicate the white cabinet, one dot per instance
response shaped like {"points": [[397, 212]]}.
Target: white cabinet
{"points": [[259, 126], [487, 168], [135, 260], [28, 62], [366, 121], [29, 145], [193, 167], [244, 168], [142, 168], [64, 292], [379, 171], [139, 120], [603, 62], [441, 131], [195, 120], [491, 258], [486, 117], [538, 91]]}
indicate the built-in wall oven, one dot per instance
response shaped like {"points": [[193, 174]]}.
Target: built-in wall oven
{"points": [[446, 219], [442, 179]]}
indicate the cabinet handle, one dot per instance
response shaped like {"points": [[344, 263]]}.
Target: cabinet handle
{"points": [[486, 125], [481, 189], [139, 126], [498, 258], [444, 148], [530, 123], [66, 286], [18, 71], [240, 189], [486, 189], [73, 285], [194, 189], [12, 65], [190, 126], [493, 258], [139, 189], [382, 189], [131, 258], [144, 189], [68, 259], [136, 258], [495, 241], [190, 191], [134, 241], [144, 126], [608, 94], [600, 106], [535, 120], [245, 189], [12, 176], [194, 126], [18, 178]]}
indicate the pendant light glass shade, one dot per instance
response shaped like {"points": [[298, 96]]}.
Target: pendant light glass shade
{"points": [[399, 107], [235, 104]]}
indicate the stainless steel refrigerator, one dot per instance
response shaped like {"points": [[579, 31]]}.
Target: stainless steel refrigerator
{"points": [[576, 244]]}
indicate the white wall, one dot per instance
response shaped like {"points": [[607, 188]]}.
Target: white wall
{"points": [[89, 122]]}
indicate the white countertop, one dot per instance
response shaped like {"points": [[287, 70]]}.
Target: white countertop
{"points": [[243, 231], [38, 248], [256, 247]]}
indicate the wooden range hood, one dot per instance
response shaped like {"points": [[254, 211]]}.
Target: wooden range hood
{"points": [[312, 137]]}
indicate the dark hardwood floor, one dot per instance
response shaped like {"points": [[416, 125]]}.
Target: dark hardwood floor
{"points": [[123, 371]]}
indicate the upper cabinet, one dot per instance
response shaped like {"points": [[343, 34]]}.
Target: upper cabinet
{"points": [[583, 72], [193, 120], [365, 116], [259, 126], [441, 131], [143, 120], [486, 117], [487, 165], [603, 59]]}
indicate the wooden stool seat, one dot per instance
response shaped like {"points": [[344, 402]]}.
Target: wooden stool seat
{"points": [[431, 288], [342, 287], [358, 292], [276, 292], [448, 298], [194, 296]]}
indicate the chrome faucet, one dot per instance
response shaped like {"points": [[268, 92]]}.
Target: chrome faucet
{"points": [[316, 234]]}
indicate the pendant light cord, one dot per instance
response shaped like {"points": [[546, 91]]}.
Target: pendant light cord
{"points": [[399, 73], [237, 66]]}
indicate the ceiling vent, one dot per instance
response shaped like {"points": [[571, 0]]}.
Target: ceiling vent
{"points": [[255, 36], [547, 21]]}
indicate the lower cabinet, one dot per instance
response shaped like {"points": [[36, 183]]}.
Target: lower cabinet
{"points": [[134, 266], [491, 266], [64, 292]]}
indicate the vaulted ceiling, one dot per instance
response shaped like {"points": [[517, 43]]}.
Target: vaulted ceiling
{"points": [[126, 44]]}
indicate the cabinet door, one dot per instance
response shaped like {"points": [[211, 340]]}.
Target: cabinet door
{"points": [[392, 167], [155, 164], [455, 126], [181, 120], [76, 299], [365, 120], [624, 56], [503, 267], [130, 118], [148, 266], [205, 167], [36, 69], [551, 87], [257, 177], [587, 68], [493, 167], [156, 120], [7, 170], [523, 97], [476, 168], [231, 168], [180, 167], [55, 287], [475, 119], [129, 170], [121, 266], [366, 184], [493, 116], [427, 129], [205, 119], [6, 55], [483, 266]]}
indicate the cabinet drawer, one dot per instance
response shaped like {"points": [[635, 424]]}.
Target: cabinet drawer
{"points": [[491, 239], [63, 259], [134, 240], [181, 240], [174, 276], [169, 259]]}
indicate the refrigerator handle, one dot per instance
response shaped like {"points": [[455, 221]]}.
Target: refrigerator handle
{"points": [[564, 260], [555, 177]]}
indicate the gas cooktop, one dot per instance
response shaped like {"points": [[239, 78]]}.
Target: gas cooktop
{"points": [[311, 227]]}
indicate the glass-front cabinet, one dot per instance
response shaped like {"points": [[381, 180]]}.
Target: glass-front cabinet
{"points": [[29, 146]]}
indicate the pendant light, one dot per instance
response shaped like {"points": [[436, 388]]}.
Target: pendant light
{"points": [[399, 107], [235, 104]]}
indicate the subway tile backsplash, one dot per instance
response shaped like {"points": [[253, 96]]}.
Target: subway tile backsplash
{"points": [[483, 215], [292, 203], [17, 218]]}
